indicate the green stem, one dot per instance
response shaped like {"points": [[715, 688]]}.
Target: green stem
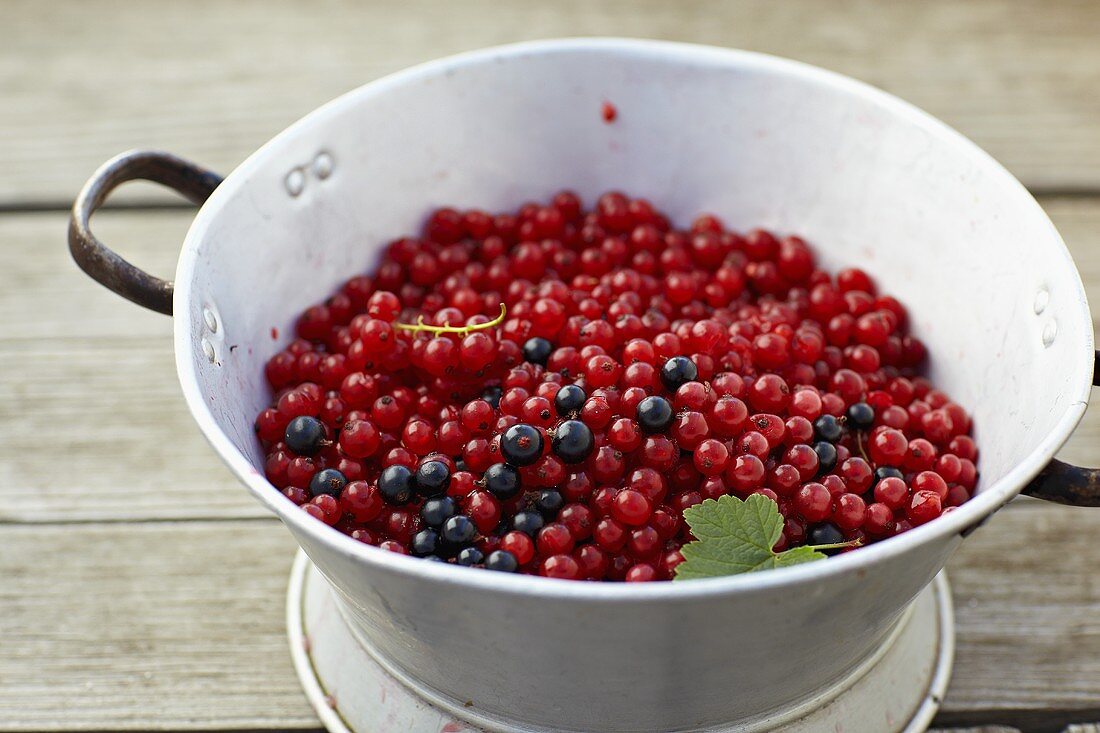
{"points": [[859, 444], [448, 328]]}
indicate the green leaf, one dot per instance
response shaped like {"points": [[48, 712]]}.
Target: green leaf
{"points": [[735, 536]]}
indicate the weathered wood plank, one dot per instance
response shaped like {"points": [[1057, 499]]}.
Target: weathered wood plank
{"points": [[96, 375], [212, 81], [179, 626], [103, 433], [45, 295], [1027, 611], [147, 626]]}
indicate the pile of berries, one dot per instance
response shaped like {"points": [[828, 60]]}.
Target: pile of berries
{"points": [[545, 392]]}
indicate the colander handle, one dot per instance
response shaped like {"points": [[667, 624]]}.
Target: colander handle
{"points": [[1066, 484], [98, 260]]}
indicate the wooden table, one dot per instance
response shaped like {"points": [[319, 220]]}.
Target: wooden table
{"points": [[140, 588]]}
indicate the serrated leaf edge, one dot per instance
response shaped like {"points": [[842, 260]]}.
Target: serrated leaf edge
{"points": [[701, 517]]}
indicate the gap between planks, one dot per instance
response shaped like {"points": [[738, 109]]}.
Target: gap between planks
{"points": [[157, 205]]}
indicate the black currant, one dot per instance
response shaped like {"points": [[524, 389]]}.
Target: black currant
{"points": [[396, 485], [654, 414], [329, 481], [537, 350], [502, 481], [492, 396], [678, 370], [569, 399], [825, 534], [432, 478], [438, 510], [861, 416], [305, 435], [826, 457], [573, 441], [470, 556], [501, 560], [827, 428], [424, 543], [549, 503], [521, 445], [527, 522], [887, 472], [459, 530]]}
